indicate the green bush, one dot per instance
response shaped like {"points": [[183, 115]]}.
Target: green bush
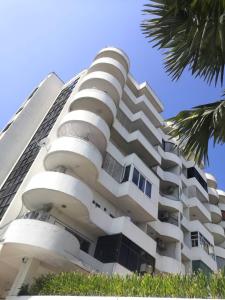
{"points": [[198, 285]]}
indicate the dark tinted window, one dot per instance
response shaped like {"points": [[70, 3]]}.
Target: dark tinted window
{"points": [[148, 189], [126, 174], [135, 176]]}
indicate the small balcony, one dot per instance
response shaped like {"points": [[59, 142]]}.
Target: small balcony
{"points": [[85, 125], [78, 155], [215, 211], [221, 196], [44, 241], [111, 66], [213, 196], [217, 232], [117, 248], [197, 210], [115, 53], [95, 101], [168, 264], [53, 189], [104, 82], [211, 180]]}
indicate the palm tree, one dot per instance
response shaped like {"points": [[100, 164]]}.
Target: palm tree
{"points": [[192, 35]]}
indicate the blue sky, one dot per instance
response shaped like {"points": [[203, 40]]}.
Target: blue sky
{"points": [[38, 37]]}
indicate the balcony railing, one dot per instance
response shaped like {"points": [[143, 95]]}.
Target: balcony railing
{"points": [[46, 217]]}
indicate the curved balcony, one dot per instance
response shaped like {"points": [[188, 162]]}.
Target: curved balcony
{"points": [[219, 251], [168, 264], [213, 196], [170, 159], [168, 177], [104, 82], [217, 232], [98, 102], [221, 195], [111, 66], [66, 193], [77, 155], [86, 125], [170, 204], [198, 211], [115, 53], [198, 253], [211, 180], [44, 241], [169, 232], [215, 211]]}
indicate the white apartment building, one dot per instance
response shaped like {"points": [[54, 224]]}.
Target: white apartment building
{"points": [[90, 181]]}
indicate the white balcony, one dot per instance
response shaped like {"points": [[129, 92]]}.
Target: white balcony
{"points": [[142, 103], [213, 195], [169, 159], [139, 121], [69, 195], [217, 232], [219, 251], [86, 125], [215, 211], [221, 196], [135, 142], [129, 198], [198, 253], [198, 211], [169, 232], [111, 66], [168, 177], [170, 204], [168, 264], [104, 82], [44, 241], [98, 102], [75, 154], [197, 189], [197, 226], [211, 180], [116, 54], [126, 227]]}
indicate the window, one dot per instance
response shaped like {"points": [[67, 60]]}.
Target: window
{"points": [[126, 174], [148, 189], [143, 184], [223, 215], [192, 172], [118, 248], [198, 240], [135, 176]]}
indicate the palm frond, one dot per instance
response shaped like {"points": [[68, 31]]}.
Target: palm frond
{"points": [[192, 33], [194, 128]]}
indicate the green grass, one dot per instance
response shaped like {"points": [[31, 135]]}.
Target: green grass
{"points": [[198, 285]]}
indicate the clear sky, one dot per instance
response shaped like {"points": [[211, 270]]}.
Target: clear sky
{"points": [[38, 37]]}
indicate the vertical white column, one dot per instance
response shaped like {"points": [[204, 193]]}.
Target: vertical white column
{"points": [[26, 272]]}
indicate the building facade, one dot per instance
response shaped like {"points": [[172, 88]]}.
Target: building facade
{"points": [[90, 181]]}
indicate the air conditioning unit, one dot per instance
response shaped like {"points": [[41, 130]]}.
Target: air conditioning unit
{"points": [[145, 268]]}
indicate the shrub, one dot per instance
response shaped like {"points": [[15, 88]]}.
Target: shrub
{"points": [[197, 285]]}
